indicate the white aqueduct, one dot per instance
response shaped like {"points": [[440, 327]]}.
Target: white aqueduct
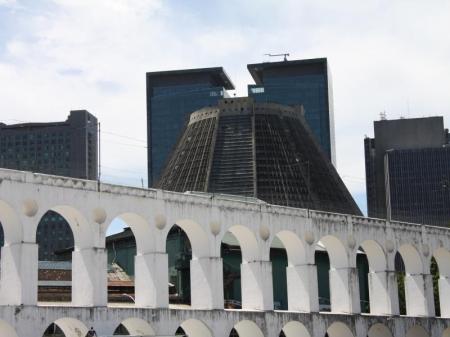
{"points": [[90, 207]]}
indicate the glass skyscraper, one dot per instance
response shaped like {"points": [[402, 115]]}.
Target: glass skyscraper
{"points": [[408, 171], [299, 82], [171, 97]]}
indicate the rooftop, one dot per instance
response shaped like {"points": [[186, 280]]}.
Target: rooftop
{"points": [[257, 69], [218, 75]]}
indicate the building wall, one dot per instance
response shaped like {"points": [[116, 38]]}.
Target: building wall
{"points": [[171, 97], [419, 185], [66, 148], [301, 83], [426, 139]]}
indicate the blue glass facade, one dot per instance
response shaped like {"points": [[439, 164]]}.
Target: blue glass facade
{"points": [[413, 156], [419, 185], [171, 97], [170, 108], [304, 82]]}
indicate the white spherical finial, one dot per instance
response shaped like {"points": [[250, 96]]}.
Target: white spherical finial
{"points": [[264, 232], [390, 246], [160, 221], [309, 237], [30, 207], [99, 215], [214, 226]]}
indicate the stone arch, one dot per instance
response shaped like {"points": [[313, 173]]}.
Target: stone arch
{"points": [[247, 242], [442, 258], [295, 248], [201, 289], [336, 251], [375, 254], [339, 329], [12, 227], [254, 275], [83, 233], [343, 296], [379, 330], [376, 279], [71, 327], [195, 327], [417, 331], [6, 330], [141, 231], [137, 326], [295, 329], [197, 237], [416, 302], [298, 292], [248, 328], [412, 259]]}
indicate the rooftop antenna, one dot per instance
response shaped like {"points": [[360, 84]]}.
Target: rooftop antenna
{"points": [[383, 115], [285, 55]]}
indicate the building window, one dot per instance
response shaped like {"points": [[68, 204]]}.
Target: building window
{"points": [[257, 90]]}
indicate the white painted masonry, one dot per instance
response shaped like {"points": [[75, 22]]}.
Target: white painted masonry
{"points": [[90, 207]]}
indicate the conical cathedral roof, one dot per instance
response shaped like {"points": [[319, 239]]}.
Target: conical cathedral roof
{"points": [[261, 150]]}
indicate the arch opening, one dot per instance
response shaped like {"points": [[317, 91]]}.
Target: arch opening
{"points": [[362, 266], [55, 240], [66, 327], [435, 275], [410, 282], [294, 329], [122, 247], [379, 330], [338, 329], [330, 256], [287, 254], [371, 264], [230, 251], [322, 262], [400, 274], [179, 251], [279, 260], [246, 329], [440, 271]]}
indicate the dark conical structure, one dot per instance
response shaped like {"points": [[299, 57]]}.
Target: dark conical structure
{"points": [[261, 150]]}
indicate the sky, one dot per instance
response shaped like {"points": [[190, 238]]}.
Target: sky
{"points": [[62, 55]]}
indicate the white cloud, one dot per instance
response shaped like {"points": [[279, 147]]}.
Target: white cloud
{"points": [[70, 54], [7, 2]]}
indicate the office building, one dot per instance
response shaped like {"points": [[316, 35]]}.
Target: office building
{"points": [[299, 82], [171, 97], [67, 148], [408, 171], [260, 150]]}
